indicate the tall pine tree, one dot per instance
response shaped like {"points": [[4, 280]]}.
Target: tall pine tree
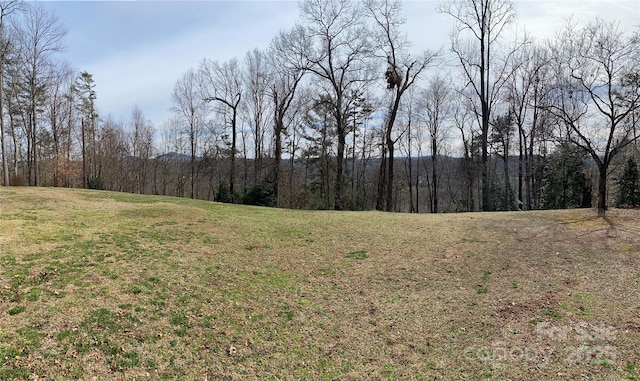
{"points": [[564, 179], [628, 185]]}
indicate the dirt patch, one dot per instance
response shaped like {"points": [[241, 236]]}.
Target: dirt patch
{"points": [[528, 310]]}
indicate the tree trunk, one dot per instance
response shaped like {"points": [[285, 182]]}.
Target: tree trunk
{"points": [[5, 160], [245, 163], [34, 147], [278, 158], [192, 159], [390, 146], [434, 175], [521, 149], [232, 171], [412, 208], [484, 164], [389, 182], [362, 175], [471, 207], [353, 166], [339, 189], [602, 189], [56, 151], [14, 139], [532, 193], [507, 182], [292, 164], [382, 181], [84, 157], [418, 183]]}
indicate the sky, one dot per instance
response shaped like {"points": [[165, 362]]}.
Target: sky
{"points": [[137, 50]]}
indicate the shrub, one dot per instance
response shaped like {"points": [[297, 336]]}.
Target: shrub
{"points": [[95, 183], [261, 195]]}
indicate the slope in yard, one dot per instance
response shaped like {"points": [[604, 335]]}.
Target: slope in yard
{"points": [[116, 286]]}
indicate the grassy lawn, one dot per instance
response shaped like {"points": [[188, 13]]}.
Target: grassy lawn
{"points": [[99, 285]]}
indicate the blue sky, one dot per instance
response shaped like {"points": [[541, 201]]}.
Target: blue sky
{"points": [[136, 50]]}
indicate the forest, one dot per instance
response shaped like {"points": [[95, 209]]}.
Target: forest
{"points": [[337, 114]]}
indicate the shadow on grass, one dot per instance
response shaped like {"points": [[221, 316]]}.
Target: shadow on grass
{"points": [[610, 226]]}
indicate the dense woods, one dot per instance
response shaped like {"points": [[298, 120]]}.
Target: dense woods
{"points": [[339, 113]]}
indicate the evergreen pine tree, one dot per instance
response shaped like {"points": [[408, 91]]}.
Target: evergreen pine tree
{"points": [[629, 185], [564, 179]]}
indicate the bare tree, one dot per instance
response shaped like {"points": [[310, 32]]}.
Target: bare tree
{"points": [[475, 42], [293, 145], [287, 67], [519, 88], [113, 152], [257, 84], [6, 9], [223, 83], [58, 105], [527, 99], [338, 56], [14, 100], [39, 35], [188, 104], [597, 91], [141, 138], [401, 73], [463, 120], [406, 147], [435, 101]]}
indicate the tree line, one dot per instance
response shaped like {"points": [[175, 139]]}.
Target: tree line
{"points": [[338, 113]]}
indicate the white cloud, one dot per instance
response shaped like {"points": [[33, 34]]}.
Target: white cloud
{"points": [[137, 50]]}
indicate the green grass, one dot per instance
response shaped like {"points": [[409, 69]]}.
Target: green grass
{"points": [[119, 286], [551, 313], [358, 254], [482, 290], [630, 371], [17, 310]]}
